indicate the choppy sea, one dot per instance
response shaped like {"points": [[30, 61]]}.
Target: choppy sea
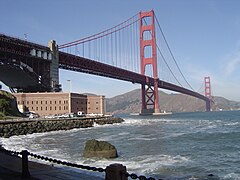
{"points": [[177, 146]]}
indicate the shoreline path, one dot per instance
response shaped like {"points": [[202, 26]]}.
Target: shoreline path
{"points": [[11, 169]]}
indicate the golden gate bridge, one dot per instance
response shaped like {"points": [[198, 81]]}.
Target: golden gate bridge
{"points": [[130, 51]]}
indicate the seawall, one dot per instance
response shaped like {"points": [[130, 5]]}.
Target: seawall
{"points": [[10, 128]]}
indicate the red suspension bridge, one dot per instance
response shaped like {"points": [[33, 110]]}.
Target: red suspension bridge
{"points": [[117, 52]]}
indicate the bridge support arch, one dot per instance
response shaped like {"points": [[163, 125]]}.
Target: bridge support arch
{"points": [[150, 99]]}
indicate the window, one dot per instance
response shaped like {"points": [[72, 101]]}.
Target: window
{"points": [[59, 107], [50, 108], [60, 102], [46, 102], [37, 108], [96, 108], [96, 102], [46, 108], [41, 102], [50, 102], [36, 102], [32, 102], [41, 108], [55, 107], [55, 102], [27, 102]]}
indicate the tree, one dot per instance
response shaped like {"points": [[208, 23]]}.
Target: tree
{"points": [[4, 105]]}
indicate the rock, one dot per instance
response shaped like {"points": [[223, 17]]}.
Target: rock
{"points": [[102, 149]]}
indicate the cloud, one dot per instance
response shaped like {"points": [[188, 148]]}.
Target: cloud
{"points": [[232, 65]]}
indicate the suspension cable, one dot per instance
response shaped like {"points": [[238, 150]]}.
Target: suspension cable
{"points": [[164, 59], [93, 37], [172, 53], [200, 90], [168, 66]]}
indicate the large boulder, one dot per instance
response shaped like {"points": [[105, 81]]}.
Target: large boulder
{"points": [[101, 149]]}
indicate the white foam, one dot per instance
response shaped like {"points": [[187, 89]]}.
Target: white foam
{"points": [[142, 138], [232, 124], [123, 133], [133, 122], [141, 165], [232, 176], [95, 125], [143, 122]]}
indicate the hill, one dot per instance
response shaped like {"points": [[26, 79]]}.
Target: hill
{"points": [[131, 103], [8, 105]]}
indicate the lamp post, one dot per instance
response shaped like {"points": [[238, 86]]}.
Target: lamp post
{"points": [[70, 85], [25, 36]]}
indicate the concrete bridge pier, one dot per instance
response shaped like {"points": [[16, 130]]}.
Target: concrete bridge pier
{"points": [[150, 112], [208, 105], [54, 66]]}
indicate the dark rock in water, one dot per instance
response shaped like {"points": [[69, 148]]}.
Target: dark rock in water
{"points": [[212, 177], [102, 149]]}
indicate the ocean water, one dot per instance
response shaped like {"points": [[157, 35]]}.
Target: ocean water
{"points": [[177, 146]]}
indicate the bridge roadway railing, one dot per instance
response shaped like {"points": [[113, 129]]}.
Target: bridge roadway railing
{"points": [[112, 172]]}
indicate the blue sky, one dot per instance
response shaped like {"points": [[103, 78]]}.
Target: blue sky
{"points": [[203, 35]]}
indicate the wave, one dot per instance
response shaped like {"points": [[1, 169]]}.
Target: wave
{"points": [[232, 176], [233, 124], [145, 164], [143, 138], [145, 121]]}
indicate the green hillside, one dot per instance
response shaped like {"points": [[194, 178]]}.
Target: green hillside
{"points": [[8, 105]]}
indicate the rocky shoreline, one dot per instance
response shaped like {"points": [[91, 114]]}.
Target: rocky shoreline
{"points": [[23, 127]]}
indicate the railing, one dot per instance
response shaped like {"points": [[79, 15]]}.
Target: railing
{"points": [[112, 172]]}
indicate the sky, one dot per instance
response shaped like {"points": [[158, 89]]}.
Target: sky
{"points": [[203, 35]]}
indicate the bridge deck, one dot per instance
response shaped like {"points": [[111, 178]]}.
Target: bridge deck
{"points": [[80, 64]]}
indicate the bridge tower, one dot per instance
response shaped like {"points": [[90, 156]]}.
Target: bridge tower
{"points": [[208, 93], [150, 102]]}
